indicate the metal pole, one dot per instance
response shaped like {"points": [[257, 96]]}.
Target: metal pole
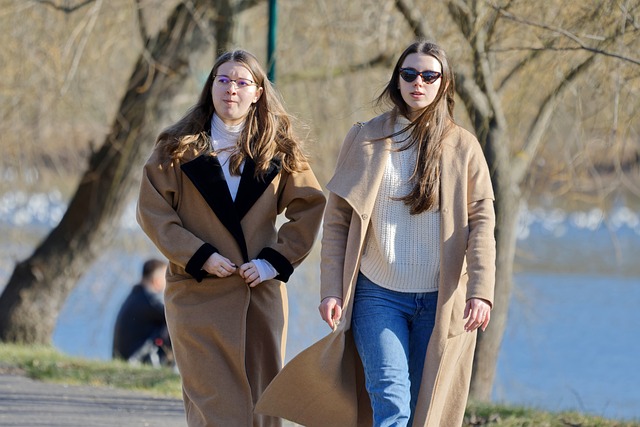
{"points": [[271, 43]]}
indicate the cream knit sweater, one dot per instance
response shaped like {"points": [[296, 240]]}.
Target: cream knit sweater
{"points": [[402, 251]]}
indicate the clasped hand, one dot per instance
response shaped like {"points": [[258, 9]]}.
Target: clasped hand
{"points": [[220, 266]]}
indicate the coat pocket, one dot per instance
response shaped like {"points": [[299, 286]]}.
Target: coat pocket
{"points": [[456, 324]]}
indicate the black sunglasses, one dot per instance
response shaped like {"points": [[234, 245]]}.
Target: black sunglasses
{"points": [[409, 75]]}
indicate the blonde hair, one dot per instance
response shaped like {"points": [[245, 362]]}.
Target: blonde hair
{"points": [[267, 134]]}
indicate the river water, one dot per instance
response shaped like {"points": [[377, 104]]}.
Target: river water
{"points": [[571, 341]]}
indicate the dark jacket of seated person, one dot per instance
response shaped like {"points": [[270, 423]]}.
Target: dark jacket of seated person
{"points": [[141, 319]]}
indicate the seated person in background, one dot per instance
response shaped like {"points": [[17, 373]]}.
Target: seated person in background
{"points": [[140, 334]]}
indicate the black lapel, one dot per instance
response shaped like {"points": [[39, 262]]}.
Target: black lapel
{"points": [[205, 172], [251, 188]]}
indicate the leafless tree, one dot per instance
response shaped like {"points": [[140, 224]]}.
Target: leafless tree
{"points": [[517, 62], [492, 32], [39, 285]]}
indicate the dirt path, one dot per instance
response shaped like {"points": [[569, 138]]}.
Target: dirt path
{"points": [[25, 402]]}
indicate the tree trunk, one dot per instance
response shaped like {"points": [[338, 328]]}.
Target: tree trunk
{"points": [[492, 135], [490, 127], [507, 207], [39, 286], [225, 24]]}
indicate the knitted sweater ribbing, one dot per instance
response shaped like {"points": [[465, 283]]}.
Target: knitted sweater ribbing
{"points": [[402, 251]]}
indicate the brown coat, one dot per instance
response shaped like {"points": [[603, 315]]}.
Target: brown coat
{"points": [[228, 339], [323, 385]]}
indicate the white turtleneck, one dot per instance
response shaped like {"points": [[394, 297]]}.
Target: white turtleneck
{"points": [[224, 139]]}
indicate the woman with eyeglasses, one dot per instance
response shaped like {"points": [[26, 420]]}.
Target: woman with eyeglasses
{"points": [[408, 264], [209, 198]]}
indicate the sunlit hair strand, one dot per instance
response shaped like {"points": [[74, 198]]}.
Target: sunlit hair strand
{"points": [[267, 133], [427, 129]]}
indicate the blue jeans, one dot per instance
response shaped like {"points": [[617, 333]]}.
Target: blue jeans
{"points": [[391, 331]]}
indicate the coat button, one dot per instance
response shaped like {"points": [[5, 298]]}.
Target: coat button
{"points": [[365, 216]]}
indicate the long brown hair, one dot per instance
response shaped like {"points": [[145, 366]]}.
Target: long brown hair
{"points": [[428, 128], [267, 134]]}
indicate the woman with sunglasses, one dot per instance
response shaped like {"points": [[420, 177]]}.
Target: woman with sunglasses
{"points": [[209, 198], [408, 264]]}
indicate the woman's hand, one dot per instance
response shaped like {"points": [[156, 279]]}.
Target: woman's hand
{"points": [[219, 266], [478, 312], [331, 311], [249, 272]]}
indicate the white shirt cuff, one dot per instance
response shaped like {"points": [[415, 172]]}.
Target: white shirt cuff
{"points": [[265, 269]]}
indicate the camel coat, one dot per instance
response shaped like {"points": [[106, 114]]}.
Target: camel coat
{"points": [[324, 384], [228, 338]]}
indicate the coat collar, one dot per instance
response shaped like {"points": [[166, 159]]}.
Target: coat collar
{"points": [[359, 173], [251, 188], [205, 172]]}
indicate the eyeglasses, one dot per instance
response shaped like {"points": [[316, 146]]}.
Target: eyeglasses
{"points": [[409, 75], [225, 82]]}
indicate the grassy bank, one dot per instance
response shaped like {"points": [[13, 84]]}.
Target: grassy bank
{"points": [[47, 364]]}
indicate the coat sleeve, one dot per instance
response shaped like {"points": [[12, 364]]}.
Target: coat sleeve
{"points": [[335, 232], [157, 215], [481, 246], [302, 201], [481, 251]]}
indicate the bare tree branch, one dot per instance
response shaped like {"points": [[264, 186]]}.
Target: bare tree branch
{"points": [[316, 74], [518, 67], [197, 11], [203, 23], [536, 49], [142, 26], [248, 4], [471, 94], [491, 25], [618, 78], [414, 18], [565, 33], [541, 122], [473, 20], [65, 9], [36, 291], [93, 17], [462, 15], [628, 16]]}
